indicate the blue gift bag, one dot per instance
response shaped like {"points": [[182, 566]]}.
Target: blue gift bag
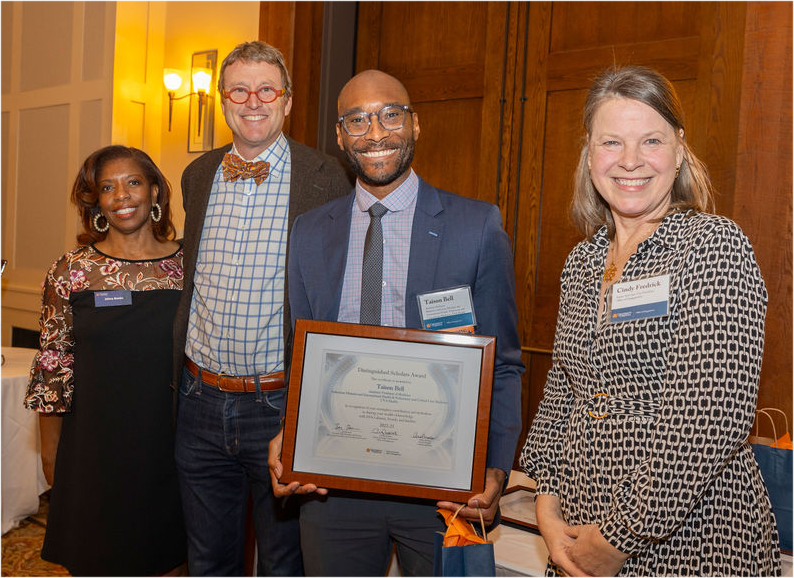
{"points": [[468, 557], [470, 560], [776, 468]]}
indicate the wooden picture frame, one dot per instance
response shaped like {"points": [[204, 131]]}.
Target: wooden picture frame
{"points": [[388, 410], [517, 507]]}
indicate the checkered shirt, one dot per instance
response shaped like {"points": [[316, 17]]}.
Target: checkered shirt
{"points": [[236, 316], [397, 224]]}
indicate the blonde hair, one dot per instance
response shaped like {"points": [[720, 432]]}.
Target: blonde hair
{"points": [[257, 51], [692, 188]]}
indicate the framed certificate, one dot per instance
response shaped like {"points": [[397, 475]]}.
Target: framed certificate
{"points": [[517, 507], [388, 410]]}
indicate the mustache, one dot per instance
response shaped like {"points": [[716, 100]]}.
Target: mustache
{"points": [[374, 149], [382, 146]]}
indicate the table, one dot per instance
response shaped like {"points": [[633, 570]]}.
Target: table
{"points": [[22, 475], [518, 552]]}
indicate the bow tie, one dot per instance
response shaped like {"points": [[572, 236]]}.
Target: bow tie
{"points": [[234, 167]]}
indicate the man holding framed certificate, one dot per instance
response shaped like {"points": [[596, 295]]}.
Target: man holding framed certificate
{"points": [[398, 252]]}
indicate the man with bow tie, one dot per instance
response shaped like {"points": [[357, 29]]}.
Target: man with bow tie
{"points": [[233, 322]]}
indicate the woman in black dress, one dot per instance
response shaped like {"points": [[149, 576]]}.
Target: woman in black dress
{"points": [[100, 381]]}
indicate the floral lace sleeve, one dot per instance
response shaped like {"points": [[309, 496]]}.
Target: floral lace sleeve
{"points": [[51, 381]]}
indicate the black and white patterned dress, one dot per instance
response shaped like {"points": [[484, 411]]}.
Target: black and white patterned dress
{"points": [[667, 474]]}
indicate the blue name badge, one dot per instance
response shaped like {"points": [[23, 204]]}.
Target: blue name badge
{"points": [[449, 322], [640, 299], [112, 298]]}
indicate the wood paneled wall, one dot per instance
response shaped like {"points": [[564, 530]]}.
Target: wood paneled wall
{"points": [[731, 64], [296, 29], [499, 89], [705, 50], [762, 203], [450, 56]]}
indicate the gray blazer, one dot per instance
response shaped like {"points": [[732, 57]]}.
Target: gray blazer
{"points": [[315, 179]]}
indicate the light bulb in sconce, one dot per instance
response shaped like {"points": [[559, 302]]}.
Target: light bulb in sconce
{"points": [[201, 84], [201, 80], [172, 80]]}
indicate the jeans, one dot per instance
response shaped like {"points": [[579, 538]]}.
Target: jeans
{"points": [[221, 452]]}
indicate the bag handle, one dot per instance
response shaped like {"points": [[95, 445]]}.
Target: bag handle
{"points": [[482, 523], [785, 417], [774, 431], [765, 411]]}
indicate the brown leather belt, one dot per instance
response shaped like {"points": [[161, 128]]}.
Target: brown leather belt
{"points": [[236, 383]]}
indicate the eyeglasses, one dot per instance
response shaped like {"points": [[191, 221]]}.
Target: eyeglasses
{"points": [[391, 117], [265, 94]]}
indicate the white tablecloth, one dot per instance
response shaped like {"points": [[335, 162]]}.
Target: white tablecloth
{"points": [[518, 552], [22, 476]]}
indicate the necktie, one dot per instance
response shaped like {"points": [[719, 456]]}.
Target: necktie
{"points": [[372, 268], [234, 167]]}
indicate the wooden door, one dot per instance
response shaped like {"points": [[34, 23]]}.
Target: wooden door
{"points": [[700, 47], [500, 87], [456, 60]]}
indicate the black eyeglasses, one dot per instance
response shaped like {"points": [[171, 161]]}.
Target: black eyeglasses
{"points": [[391, 117], [265, 94]]}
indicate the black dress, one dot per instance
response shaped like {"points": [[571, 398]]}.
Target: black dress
{"points": [[114, 506]]}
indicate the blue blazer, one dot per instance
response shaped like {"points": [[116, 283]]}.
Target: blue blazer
{"points": [[455, 241]]}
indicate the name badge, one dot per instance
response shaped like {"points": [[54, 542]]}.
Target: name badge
{"points": [[640, 299], [112, 298], [448, 310]]}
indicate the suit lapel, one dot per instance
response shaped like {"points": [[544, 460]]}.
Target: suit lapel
{"points": [[196, 207], [336, 236], [298, 180], [426, 237]]}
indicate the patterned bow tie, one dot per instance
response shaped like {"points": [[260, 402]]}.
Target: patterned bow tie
{"points": [[234, 167]]}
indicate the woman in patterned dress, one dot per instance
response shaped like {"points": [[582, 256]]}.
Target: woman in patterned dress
{"points": [[100, 381], [639, 447]]}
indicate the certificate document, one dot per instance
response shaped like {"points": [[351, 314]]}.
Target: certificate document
{"points": [[396, 411]]}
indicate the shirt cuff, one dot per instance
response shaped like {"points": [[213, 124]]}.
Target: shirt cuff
{"points": [[621, 537]]}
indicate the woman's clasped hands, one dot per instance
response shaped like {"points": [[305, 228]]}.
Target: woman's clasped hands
{"points": [[576, 550]]}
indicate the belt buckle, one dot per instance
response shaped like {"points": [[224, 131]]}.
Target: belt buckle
{"points": [[220, 381], [591, 414]]}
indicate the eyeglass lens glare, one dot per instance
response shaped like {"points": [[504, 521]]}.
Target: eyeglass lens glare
{"points": [[390, 118]]}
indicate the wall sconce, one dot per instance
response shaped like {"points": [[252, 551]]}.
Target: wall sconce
{"points": [[201, 122], [172, 80], [203, 80]]}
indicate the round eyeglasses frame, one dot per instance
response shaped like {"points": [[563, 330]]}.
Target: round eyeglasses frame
{"points": [[274, 91], [405, 108]]}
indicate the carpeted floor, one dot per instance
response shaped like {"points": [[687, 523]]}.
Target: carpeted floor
{"points": [[22, 547]]}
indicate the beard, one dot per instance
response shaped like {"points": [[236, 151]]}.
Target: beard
{"points": [[379, 178]]}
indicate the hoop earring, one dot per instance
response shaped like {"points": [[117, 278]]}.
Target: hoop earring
{"points": [[677, 170], [159, 213], [95, 222]]}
